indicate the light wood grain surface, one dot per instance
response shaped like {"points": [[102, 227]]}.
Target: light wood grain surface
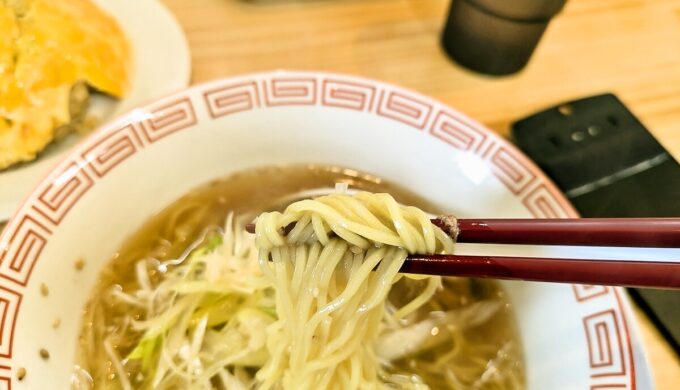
{"points": [[629, 47]]}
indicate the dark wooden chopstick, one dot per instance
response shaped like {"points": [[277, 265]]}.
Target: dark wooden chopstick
{"points": [[622, 232], [625, 232], [628, 273]]}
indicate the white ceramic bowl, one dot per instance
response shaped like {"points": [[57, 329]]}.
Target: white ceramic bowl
{"points": [[574, 336]]}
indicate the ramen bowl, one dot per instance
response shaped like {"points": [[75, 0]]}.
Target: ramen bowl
{"points": [[573, 336]]}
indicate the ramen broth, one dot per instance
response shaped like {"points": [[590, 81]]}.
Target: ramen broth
{"points": [[490, 349]]}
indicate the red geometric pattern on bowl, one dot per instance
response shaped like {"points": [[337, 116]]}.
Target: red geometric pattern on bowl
{"points": [[26, 243], [10, 301], [232, 98], [5, 379], [169, 118], [605, 345], [407, 109], [609, 386], [289, 91], [448, 127], [509, 169], [113, 149], [24, 237], [542, 205], [584, 292], [345, 94], [59, 195]]}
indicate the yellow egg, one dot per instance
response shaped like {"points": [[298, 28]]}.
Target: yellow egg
{"points": [[48, 49]]}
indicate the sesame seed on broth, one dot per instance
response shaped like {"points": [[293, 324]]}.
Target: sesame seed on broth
{"points": [[79, 264]]}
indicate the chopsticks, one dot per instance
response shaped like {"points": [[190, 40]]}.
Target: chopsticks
{"points": [[616, 232], [626, 232], [626, 273]]}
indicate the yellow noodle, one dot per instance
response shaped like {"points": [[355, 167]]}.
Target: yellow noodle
{"points": [[323, 291], [338, 291]]}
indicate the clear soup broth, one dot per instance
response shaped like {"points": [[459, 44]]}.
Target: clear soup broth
{"points": [[480, 351]]}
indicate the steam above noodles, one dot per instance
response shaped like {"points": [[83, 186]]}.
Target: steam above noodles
{"points": [[321, 307]]}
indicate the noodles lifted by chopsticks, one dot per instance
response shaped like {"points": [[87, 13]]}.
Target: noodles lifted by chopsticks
{"points": [[330, 303], [311, 309]]}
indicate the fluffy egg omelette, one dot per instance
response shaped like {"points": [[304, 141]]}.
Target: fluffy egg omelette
{"points": [[52, 52]]}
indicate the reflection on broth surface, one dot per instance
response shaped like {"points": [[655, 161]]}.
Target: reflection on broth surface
{"points": [[464, 337]]}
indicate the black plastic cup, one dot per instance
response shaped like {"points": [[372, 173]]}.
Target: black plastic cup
{"points": [[496, 37]]}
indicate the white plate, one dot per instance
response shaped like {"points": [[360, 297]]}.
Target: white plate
{"points": [[161, 65], [573, 336]]}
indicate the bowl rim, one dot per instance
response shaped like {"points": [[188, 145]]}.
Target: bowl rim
{"points": [[177, 111]]}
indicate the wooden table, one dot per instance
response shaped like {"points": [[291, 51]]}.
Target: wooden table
{"points": [[629, 47]]}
